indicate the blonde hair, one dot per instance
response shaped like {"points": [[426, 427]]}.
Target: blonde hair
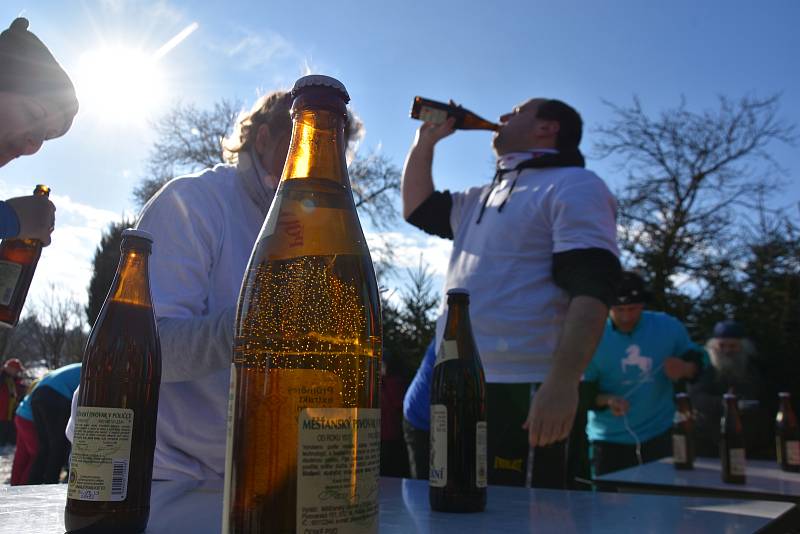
{"points": [[273, 109]]}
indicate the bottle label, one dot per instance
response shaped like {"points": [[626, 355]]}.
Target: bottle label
{"points": [[793, 452], [434, 115], [480, 454], [226, 494], [101, 452], [737, 461], [448, 350], [338, 467], [9, 275], [679, 455], [437, 476]]}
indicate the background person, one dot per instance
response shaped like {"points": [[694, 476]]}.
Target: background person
{"points": [[12, 389], [639, 359], [50, 404], [27, 440], [537, 251]]}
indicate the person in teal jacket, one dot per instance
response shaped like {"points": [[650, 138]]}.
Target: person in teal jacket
{"points": [[640, 358], [50, 404]]}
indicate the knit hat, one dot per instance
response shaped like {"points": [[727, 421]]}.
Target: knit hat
{"points": [[14, 363], [728, 329], [631, 289], [27, 67]]}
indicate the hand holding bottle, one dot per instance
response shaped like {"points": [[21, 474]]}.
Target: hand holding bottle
{"points": [[430, 133], [618, 406], [36, 215]]}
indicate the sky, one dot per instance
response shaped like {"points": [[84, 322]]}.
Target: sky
{"points": [[488, 56]]}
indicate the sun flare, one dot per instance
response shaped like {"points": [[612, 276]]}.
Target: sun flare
{"points": [[119, 84]]}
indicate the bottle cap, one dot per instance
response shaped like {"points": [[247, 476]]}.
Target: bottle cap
{"points": [[784, 394], [729, 396], [133, 232], [681, 395], [458, 291], [320, 80]]}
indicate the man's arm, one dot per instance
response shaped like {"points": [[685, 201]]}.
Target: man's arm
{"points": [[417, 182], [555, 402]]}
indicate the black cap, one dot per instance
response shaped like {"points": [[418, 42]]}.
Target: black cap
{"points": [[728, 329], [631, 290], [27, 67], [320, 80]]}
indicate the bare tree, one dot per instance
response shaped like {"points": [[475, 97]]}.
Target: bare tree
{"points": [[58, 330], [689, 173]]}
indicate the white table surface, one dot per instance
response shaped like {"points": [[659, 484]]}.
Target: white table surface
{"points": [[765, 480], [196, 508]]}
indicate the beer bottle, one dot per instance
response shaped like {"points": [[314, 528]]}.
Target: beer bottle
{"points": [[457, 475], [111, 465], [731, 450], [683, 433], [18, 259], [787, 435], [304, 420], [438, 112]]}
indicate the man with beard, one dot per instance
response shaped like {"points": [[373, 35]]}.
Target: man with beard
{"points": [[733, 369]]}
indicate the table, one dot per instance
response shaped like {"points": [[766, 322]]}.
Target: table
{"points": [[765, 480], [196, 507]]}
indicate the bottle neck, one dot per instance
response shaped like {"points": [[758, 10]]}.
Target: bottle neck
{"points": [[457, 318], [317, 147], [131, 283]]}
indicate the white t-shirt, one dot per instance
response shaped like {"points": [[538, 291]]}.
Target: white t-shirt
{"points": [[506, 262]]}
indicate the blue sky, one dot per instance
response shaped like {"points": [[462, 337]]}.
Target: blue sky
{"points": [[488, 56]]}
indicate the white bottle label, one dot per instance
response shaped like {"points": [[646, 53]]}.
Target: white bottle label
{"points": [[679, 449], [737, 461], [434, 115], [437, 476], [793, 452], [9, 275], [338, 467], [101, 453], [448, 350], [480, 454]]}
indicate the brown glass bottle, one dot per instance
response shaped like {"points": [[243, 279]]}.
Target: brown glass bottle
{"points": [[111, 465], [18, 260], [457, 475], [438, 112], [787, 434], [731, 447], [304, 420], [683, 433]]}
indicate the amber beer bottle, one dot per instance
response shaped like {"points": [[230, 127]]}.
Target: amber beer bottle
{"points": [[457, 475], [787, 434], [731, 448], [683, 433], [18, 259], [304, 421], [438, 112], [111, 465]]}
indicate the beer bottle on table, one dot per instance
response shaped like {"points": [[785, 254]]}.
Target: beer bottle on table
{"points": [[457, 475], [731, 448], [683, 433], [787, 434], [111, 464], [18, 260], [438, 112], [304, 420]]}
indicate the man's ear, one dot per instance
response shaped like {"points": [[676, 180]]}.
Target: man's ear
{"points": [[262, 139], [549, 128]]}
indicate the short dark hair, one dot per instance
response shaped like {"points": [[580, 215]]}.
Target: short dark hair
{"points": [[571, 124]]}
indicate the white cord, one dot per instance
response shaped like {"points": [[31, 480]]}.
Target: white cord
{"points": [[627, 394]]}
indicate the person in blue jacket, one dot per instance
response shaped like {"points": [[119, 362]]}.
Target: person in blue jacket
{"points": [[640, 358], [50, 404], [37, 103]]}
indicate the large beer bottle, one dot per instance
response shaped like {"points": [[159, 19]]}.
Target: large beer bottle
{"points": [[457, 475], [428, 110], [683, 433], [304, 420], [787, 435], [111, 465], [18, 260], [731, 447]]}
